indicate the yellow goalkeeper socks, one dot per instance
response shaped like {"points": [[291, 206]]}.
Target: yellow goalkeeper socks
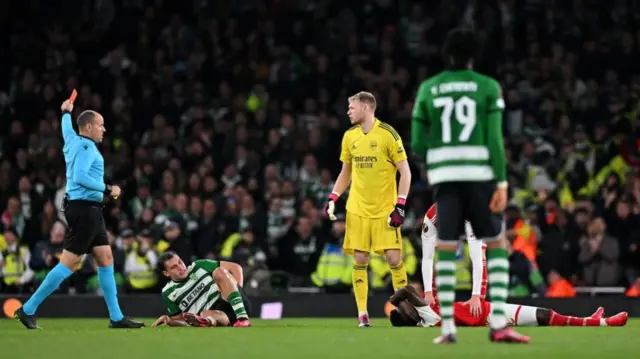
{"points": [[398, 275], [360, 280]]}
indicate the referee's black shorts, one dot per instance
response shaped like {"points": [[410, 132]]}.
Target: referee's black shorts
{"points": [[457, 202], [86, 227]]}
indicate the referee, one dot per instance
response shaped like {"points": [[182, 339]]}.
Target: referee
{"points": [[83, 210]]}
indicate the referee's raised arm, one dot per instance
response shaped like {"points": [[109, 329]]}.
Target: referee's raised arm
{"points": [[85, 165], [68, 132]]}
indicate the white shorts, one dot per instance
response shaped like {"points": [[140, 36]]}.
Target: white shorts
{"points": [[519, 315]]}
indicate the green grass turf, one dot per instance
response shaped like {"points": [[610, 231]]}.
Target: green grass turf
{"points": [[302, 339]]}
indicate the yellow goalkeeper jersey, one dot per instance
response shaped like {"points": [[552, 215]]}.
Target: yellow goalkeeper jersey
{"points": [[373, 157]]}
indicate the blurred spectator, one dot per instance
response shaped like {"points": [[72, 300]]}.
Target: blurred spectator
{"points": [[140, 267], [31, 207], [634, 290], [247, 253], [333, 272], [300, 250], [525, 277], [559, 246], [17, 275], [13, 218], [520, 234], [175, 239], [119, 254], [277, 227], [208, 237], [47, 252], [46, 220], [559, 287], [141, 201], [599, 254]]}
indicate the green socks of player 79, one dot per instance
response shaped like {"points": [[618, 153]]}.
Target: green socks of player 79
{"points": [[235, 299], [446, 285], [498, 270]]}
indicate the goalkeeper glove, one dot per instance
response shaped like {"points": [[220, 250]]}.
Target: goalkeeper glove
{"points": [[396, 218], [330, 206]]}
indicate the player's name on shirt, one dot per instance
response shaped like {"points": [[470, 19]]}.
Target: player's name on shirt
{"points": [[449, 87]]}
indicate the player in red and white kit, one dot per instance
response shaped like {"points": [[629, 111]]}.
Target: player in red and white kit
{"points": [[423, 310], [429, 240], [412, 310]]}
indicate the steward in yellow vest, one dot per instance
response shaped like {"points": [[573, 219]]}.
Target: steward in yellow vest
{"points": [[334, 269], [139, 268], [14, 264]]}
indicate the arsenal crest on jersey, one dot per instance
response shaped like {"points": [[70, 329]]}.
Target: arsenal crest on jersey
{"points": [[373, 145]]}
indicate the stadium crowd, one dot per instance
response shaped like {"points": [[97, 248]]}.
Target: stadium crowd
{"points": [[224, 121]]}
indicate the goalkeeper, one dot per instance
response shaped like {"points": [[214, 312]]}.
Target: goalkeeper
{"points": [[207, 293], [372, 153]]}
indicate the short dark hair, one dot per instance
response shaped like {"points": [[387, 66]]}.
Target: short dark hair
{"points": [[164, 258], [459, 48], [85, 118]]}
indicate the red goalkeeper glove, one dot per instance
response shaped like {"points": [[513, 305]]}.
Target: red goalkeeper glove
{"points": [[396, 218]]}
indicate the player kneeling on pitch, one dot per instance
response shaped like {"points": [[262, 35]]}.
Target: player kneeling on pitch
{"points": [[208, 293], [412, 310]]}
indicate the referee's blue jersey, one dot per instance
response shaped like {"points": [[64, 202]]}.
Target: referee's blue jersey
{"points": [[85, 165]]}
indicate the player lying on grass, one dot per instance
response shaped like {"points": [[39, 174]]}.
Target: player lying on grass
{"points": [[476, 249], [475, 312], [208, 293], [412, 310]]}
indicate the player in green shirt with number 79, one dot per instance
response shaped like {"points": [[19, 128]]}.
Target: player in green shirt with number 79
{"points": [[457, 129]]}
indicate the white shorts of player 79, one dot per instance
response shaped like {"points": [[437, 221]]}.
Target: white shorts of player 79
{"points": [[518, 315]]}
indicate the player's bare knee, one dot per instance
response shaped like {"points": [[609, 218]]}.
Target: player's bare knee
{"points": [[222, 277], [361, 258], [394, 257], [105, 261], [70, 260], [103, 255]]}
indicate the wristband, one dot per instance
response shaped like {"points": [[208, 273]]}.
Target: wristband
{"points": [[503, 185], [401, 200], [334, 196]]}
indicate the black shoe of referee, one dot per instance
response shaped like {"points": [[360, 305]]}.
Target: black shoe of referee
{"points": [[29, 321], [125, 323]]}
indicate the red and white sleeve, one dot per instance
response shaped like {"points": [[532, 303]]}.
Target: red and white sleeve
{"points": [[485, 274], [429, 239]]}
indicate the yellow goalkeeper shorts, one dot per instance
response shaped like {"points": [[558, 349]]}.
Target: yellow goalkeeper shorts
{"points": [[364, 234]]}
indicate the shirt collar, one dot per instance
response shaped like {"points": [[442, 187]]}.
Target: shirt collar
{"points": [[90, 139]]}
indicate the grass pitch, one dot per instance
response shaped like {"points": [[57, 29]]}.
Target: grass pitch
{"points": [[302, 339]]}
